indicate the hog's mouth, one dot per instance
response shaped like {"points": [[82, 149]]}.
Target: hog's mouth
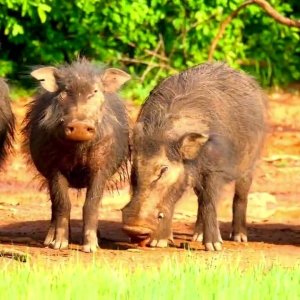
{"points": [[137, 231], [138, 234]]}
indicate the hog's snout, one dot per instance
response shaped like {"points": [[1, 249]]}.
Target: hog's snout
{"points": [[137, 231], [136, 224], [80, 131]]}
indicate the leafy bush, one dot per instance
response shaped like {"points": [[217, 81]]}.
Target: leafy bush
{"points": [[151, 39]]}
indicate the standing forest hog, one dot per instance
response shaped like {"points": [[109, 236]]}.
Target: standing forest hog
{"points": [[7, 121], [76, 132], [204, 128]]}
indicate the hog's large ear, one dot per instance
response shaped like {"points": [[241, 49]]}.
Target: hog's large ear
{"points": [[113, 79], [191, 143], [46, 77]]}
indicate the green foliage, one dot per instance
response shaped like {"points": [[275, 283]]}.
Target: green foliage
{"points": [[151, 39]]}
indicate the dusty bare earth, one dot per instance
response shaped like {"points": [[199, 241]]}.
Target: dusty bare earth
{"points": [[273, 211]]}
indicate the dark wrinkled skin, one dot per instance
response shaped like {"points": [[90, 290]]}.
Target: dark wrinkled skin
{"points": [[7, 122], [87, 163], [201, 128]]}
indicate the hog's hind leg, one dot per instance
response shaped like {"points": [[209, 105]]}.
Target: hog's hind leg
{"points": [[198, 231], [239, 208]]}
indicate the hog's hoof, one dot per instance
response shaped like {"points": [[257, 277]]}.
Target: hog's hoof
{"points": [[90, 242], [239, 237], [197, 237], [159, 243], [60, 245], [50, 238], [90, 248], [56, 239], [213, 246]]}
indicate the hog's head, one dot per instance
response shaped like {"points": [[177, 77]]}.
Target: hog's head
{"points": [[160, 175], [77, 93]]}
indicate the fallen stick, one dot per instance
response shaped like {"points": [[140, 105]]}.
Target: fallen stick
{"points": [[19, 240], [14, 254], [280, 157]]}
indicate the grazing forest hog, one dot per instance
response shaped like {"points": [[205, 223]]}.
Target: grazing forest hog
{"points": [[203, 127], [7, 121], [76, 132]]}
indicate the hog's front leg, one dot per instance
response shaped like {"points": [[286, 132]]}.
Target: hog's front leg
{"points": [[58, 233], [198, 230], [207, 199], [90, 213]]}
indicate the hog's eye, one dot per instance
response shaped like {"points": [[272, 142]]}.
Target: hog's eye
{"points": [[93, 94], [163, 170], [160, 215], [160, 174]]}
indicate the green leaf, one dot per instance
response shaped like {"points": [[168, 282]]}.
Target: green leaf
{"points": [[42, 14]]}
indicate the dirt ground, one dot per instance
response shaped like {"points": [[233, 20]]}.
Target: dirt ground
{"points": [[273, 210]]}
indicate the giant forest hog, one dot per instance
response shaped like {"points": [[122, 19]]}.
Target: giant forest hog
{"points": [[204, 128], [76, 132], [7, 122]]}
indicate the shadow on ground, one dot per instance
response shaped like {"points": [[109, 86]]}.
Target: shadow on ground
{"points": [[32, 233]]}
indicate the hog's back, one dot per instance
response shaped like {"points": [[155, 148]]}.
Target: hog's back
{"points": [[210, 98]]}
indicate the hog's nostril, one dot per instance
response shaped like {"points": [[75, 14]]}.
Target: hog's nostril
{"points": [[70, 129], [80, 131], [90, 129]]}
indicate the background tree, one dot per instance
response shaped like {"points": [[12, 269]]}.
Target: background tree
{"points": [[151, 39]]}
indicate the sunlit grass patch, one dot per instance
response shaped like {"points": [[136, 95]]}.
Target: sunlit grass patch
{"points": [[176, 278]]}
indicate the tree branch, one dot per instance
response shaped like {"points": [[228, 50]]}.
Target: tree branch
{"points": [[150, 52], [275, 14], [148, 63], [265, 6], [150, 67]]}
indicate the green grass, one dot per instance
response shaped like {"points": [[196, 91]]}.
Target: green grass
{"points": [[188, 278]]}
